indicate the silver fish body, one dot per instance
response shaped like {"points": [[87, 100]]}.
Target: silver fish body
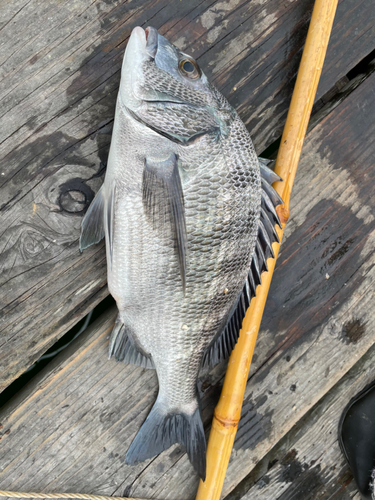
{"points": [[181, 209]]}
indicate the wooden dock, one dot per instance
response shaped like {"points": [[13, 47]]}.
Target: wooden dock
{"points": [[69, 428]]}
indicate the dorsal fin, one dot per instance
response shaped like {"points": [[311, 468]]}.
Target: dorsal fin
{"points": [[222, 345], [163, 201], [266, 171]]}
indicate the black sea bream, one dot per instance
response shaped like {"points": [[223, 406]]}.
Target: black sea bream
{"points": [[187, 211]]}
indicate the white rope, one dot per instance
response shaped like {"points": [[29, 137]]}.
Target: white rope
{"points": [[79, 496]]}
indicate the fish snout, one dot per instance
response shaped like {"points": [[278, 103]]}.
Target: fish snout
{"points": [[139, 32], [132, 74], [135, 48]]}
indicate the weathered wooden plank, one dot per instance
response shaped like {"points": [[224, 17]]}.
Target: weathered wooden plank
{"points": [[312, 465], [70, 430], [59, 74]]}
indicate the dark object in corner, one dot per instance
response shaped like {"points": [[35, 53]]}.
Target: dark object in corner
{"points": [[357, 437]]}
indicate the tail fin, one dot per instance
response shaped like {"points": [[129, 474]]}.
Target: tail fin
{"points": [[162, 428]]}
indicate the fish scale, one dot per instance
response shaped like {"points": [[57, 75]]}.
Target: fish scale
{"points": [[180, 209]]}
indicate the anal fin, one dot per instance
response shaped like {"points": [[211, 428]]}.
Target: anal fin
{"points": [[124, 348]]}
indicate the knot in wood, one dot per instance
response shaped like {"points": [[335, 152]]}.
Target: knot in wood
{"points": [[32, 244]]}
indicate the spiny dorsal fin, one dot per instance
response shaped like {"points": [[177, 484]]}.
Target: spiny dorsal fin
{"points": [[163, 201], [266, 171], [221, 347], [269, 227]]}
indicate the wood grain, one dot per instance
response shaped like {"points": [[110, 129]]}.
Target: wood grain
{"points": [[312, 465], [59, 74], [70, 428]]}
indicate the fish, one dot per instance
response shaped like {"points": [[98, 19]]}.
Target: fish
{"points": [[188, 214]]}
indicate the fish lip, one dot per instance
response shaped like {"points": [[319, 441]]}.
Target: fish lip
{"points": [[139, 33], [151, 41]]}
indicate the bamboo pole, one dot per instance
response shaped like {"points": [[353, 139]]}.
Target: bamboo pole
{"points": [[228, 410]]}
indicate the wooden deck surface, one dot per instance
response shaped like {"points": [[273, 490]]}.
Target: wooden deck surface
{"points": [[70, 428]]}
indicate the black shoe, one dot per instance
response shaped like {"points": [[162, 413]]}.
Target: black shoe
{"points": [[357, 437]]}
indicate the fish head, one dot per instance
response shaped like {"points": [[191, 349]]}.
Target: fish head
{"points": [[161, 84], [154, 69]]}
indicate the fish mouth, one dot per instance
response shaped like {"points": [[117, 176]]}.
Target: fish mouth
{"points": [[151, 41], [142, 41]]}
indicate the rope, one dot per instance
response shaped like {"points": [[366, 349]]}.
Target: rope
{"points": [[79, 496]]}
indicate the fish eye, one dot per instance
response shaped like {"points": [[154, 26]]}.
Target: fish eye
{"points": [[189, 68]]}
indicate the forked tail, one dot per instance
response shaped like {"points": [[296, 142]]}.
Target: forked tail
{"points": [[162, 428]]}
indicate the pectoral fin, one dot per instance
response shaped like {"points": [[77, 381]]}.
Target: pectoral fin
{"points": [[163, 202]]}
